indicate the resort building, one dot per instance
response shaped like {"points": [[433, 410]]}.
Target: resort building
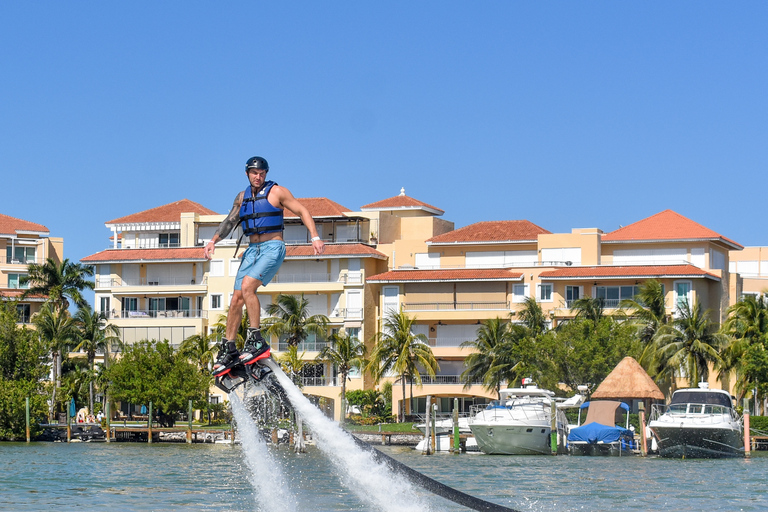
{"points": [[751, 264], [23, 242], [399, 254]]}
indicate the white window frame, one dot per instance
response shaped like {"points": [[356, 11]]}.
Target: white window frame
{"points": [[539, 290], [518, 298], [688, 296], [216, 268], [234, 266], [215, 297]]}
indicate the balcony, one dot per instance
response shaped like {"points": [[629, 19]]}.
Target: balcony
{"points": [[308, 345], [443, 379], [351, 313], [151, 314], [109, 282], [444, 341], [302, 278], [20, 260], [456, 306]]}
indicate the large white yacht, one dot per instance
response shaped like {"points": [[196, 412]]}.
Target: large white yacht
{"points": [[698, 422], [520, 423]]}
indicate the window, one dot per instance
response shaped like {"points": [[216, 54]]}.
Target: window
{"points": [[544, 293], [519, 292], [23, 313], [216, 301], [14, 281], [613, 295], [427, 260], [104, 305], [217, 268], [391, 299], [234, 266], [572, 294], [169, 239], [682, 293], [23, 255]]}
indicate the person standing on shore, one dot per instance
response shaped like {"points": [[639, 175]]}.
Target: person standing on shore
{"points": [[259, 210]]}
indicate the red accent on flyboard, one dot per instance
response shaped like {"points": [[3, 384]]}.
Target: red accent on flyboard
{"points": [[261, 356]]}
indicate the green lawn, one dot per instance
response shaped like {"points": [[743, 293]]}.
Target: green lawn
{"points": [[384, 427]]}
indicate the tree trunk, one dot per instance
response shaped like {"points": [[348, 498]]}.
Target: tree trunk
{"points": [[343, 398], [52, 407], [402, 409]]}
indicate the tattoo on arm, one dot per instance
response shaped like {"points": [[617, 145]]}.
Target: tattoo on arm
{"points": [[229, 223]]}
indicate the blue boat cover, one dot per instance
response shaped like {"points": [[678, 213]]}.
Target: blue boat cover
{"points": [[594, 433]]}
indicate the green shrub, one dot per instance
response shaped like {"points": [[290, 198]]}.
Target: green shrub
{"points": [[758, 423]]}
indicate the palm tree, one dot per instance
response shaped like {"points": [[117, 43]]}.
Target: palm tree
{"points": [[345, 353], [58, 331], [94, 334], [648, 309], [532, 317], [589, 308], [492, 360], [400, 351], [689, 345], [290, 318], [292, 364], [59, 282], [747, 328], [220, 327]]}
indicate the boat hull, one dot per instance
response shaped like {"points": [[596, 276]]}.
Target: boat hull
{"points": [[617, 449], [512, 440], [698, 442]]}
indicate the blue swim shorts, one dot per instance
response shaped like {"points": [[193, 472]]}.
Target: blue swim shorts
{"points": [[261, 261]]}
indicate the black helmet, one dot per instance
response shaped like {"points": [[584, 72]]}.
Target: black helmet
{"points": [[256, 162]]}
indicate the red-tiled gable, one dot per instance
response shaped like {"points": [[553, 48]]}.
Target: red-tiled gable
{"points": [[402, 202], [115, 255], [455, 274], [356, 250], [170, 212], [666, 225], [320, 207], [492, 231], [11, 226], [628, 272]]}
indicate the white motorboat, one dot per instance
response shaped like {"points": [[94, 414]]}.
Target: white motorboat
{"points": [[698, 422], [520, 423]]}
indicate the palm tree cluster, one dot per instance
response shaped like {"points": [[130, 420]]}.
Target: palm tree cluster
{"points": [[86, 331]]}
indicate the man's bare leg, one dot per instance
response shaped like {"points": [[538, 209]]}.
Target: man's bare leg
{"points": [[235, 315], [256, 346]]}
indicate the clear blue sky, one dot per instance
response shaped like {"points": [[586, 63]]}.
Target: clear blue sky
{"points": [[568, 114]]}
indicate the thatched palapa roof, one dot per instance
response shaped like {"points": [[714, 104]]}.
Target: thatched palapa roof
{"points": [[628, 380]]}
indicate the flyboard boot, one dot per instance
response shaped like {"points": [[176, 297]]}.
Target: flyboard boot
{"points": [[255, 349], [237, 368]]}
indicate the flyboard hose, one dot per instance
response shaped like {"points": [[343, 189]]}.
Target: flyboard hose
{"points": [[433, 486]]}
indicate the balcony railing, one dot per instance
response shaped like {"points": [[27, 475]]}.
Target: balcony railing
{"points": [[347, 313], [108, 282], [319, 381], [443, 379], [19, 261], [456, 306], [167, 313], [447, 342], [308, 346], [607, 303], [302, 278]]}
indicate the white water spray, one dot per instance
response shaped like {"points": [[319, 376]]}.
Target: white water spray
{"points": [[272, 491], [372, 481]]}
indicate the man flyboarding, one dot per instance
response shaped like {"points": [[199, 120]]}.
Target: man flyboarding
{"points": [[259, 210]]}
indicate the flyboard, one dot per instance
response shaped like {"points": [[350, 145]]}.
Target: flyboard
{"points": [[263, 374]]}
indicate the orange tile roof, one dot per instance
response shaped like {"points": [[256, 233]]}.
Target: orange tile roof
{"points": [[401, 202], [10, 293], [666, 225], [628, 272], [320, 207], [114, 255], [456, 274], [170, 212], [492, 231], [11, 225], [358, 250]]}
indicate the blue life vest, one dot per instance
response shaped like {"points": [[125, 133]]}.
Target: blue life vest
{"points": [[257, 215]]}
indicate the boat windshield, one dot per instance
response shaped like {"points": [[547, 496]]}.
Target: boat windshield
{"points": [[697, 397]]}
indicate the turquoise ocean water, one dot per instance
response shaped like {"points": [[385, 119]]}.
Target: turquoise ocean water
{"points": [[88, 477]]}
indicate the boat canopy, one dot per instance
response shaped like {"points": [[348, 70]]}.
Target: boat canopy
{"points": [[595, 433]]}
